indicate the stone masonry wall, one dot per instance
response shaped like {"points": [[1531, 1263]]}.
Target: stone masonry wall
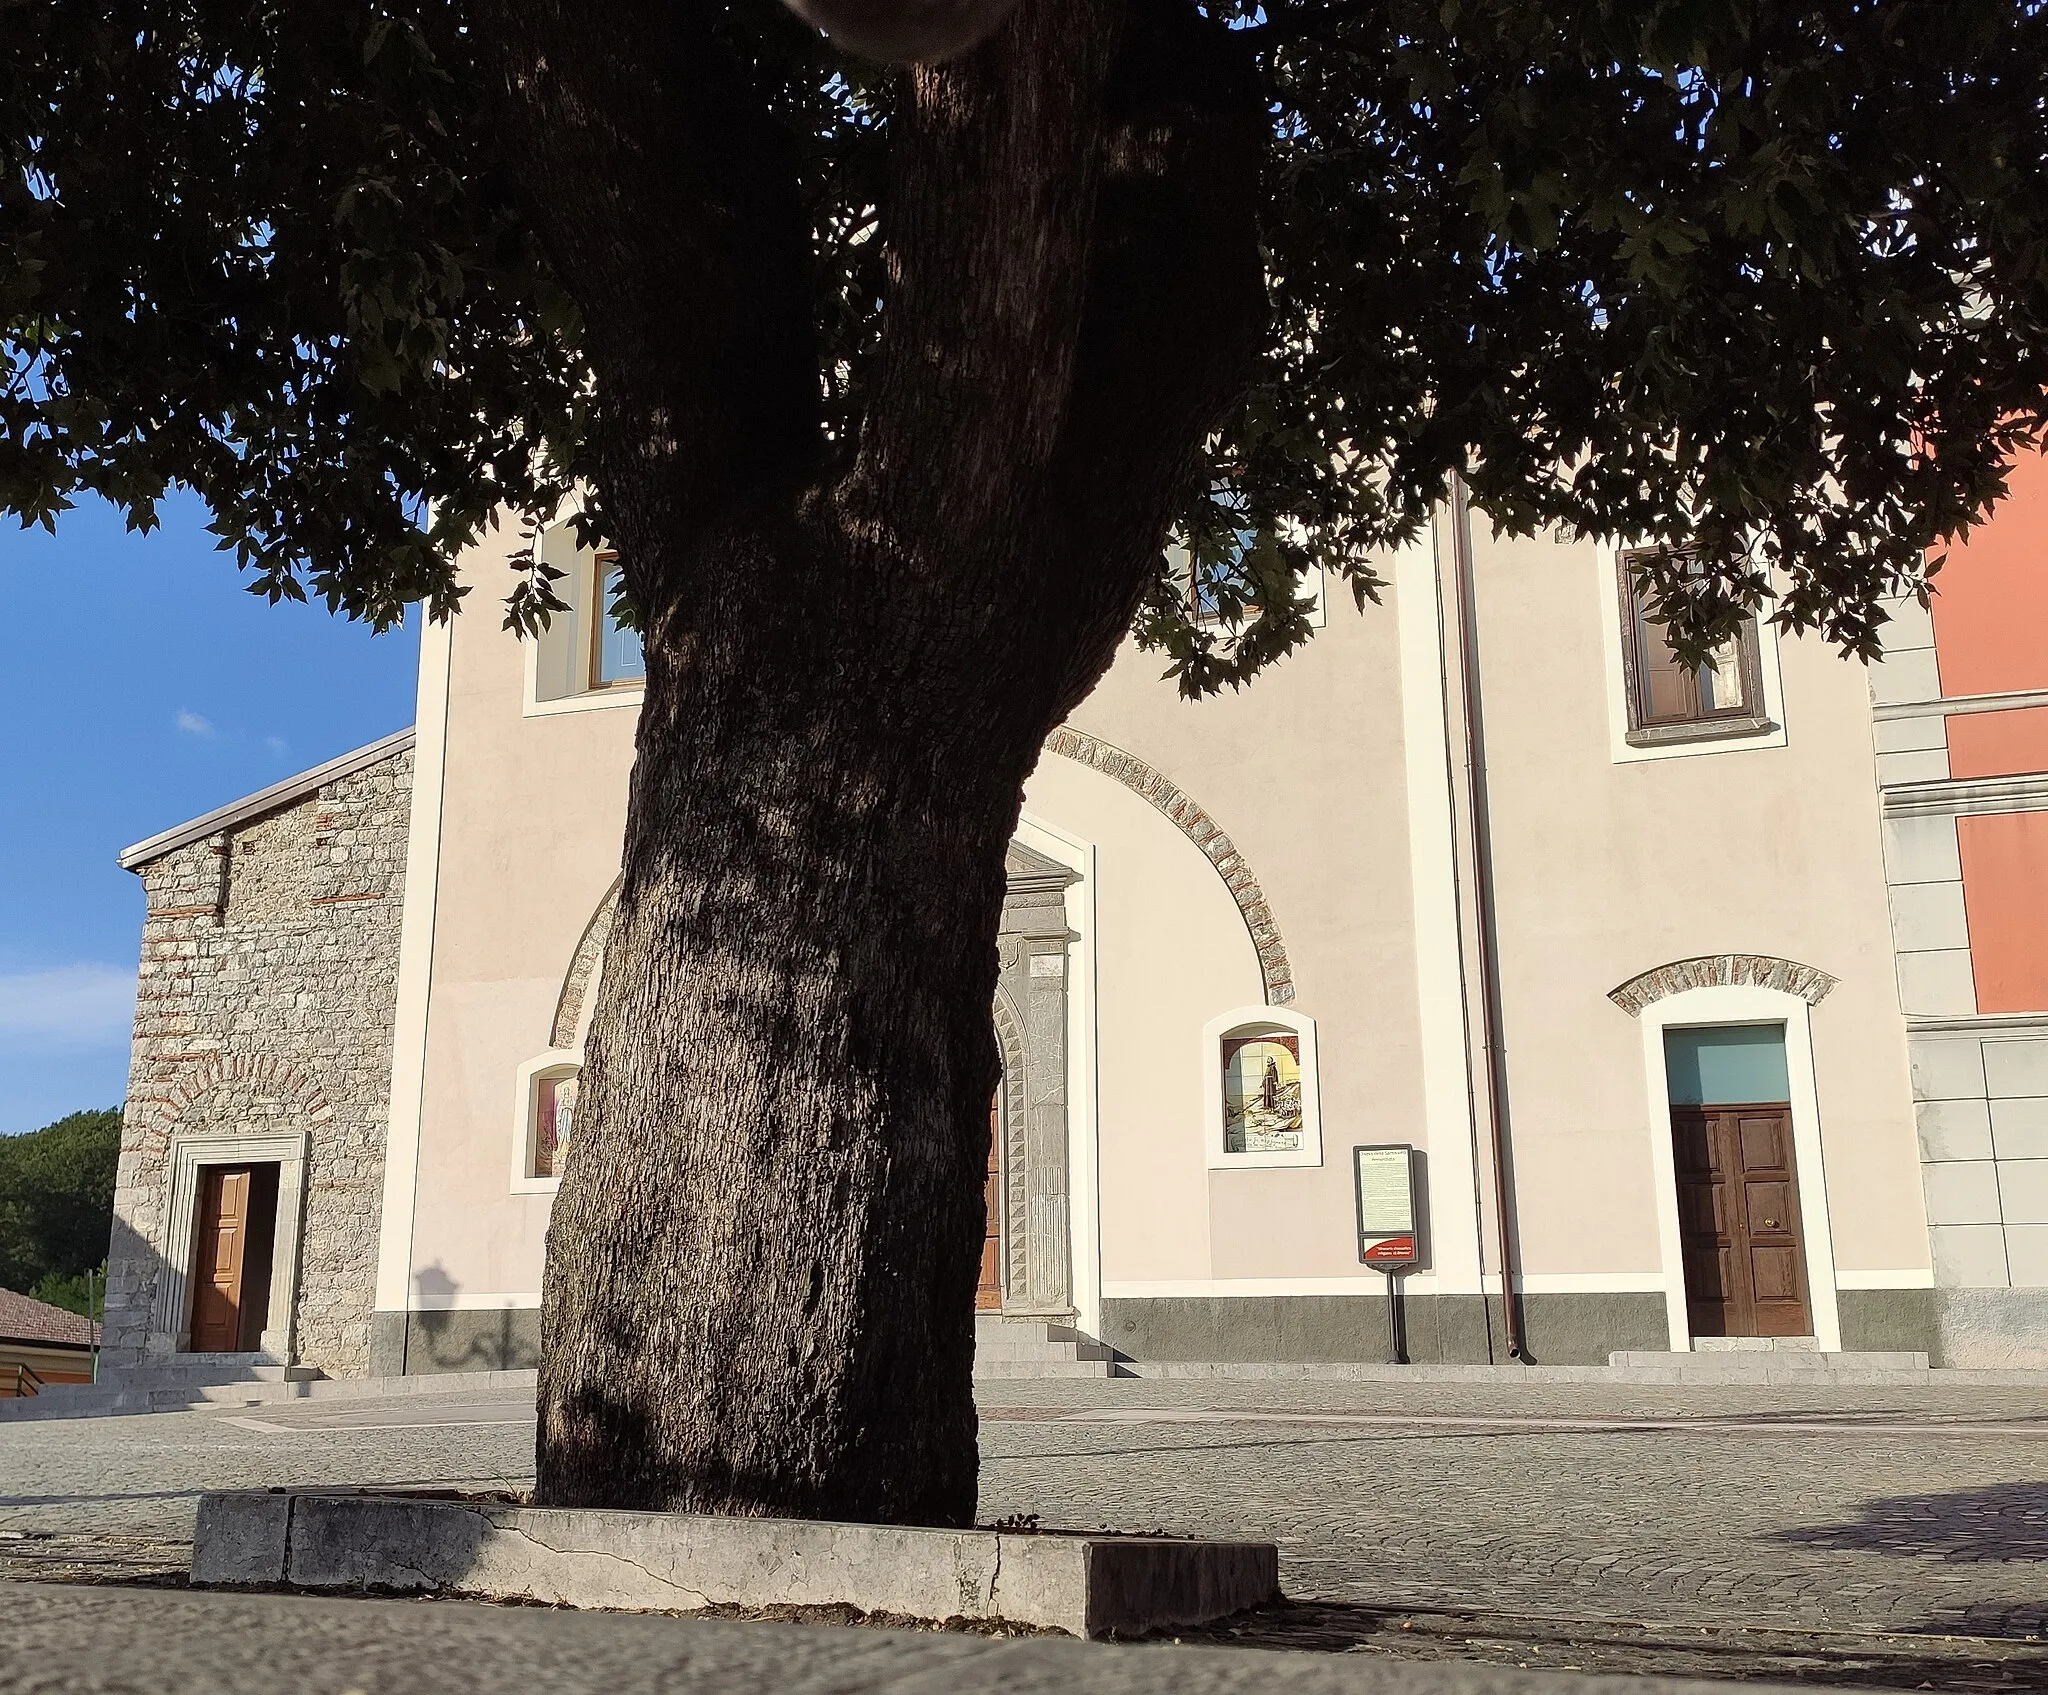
{"points": [[266, 996]]}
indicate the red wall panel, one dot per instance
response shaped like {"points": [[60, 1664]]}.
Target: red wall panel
{"points": [[1991, 614], [1998, 744], [2005, 894]]}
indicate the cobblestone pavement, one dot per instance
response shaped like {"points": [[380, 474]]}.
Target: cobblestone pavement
{"points": [[1833, 1534]]}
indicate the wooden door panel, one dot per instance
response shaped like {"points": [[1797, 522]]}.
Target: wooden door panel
{"points": [[1706, 1274], [1774, 1275], [1691, 1145], [218, 1258], [1739, 1223], [1772, 1208], [988, 1293], [1766, 1143], [1700, 1208]]}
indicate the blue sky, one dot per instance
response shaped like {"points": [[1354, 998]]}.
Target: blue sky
{"points": [[143, 685]]}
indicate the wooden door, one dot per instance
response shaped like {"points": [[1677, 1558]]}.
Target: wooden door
{"points": [[1738, 1221], [988, 1294], [219, 1258]]}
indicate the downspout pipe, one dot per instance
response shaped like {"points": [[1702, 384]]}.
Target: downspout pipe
{"points": [[1488, 936]]}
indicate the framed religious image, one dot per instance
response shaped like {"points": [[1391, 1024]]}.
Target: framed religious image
{"points": [[1262, 1093]]}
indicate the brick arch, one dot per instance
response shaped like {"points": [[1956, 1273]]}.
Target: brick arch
{"points": [[1723, 970], [1238, 877], [278, 1076], [582, 968]]}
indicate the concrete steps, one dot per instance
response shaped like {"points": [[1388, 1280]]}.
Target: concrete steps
{"points": [[1010, 1348], [170, 1386]]}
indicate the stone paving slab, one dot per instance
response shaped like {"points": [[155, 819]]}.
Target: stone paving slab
{"points": [[118, 1642], [1642, 1517]]}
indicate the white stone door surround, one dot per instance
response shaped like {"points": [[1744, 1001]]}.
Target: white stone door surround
{"points": [[1743, 1003], [170, 1326]]}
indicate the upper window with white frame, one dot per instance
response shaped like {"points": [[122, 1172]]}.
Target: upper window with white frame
{"points": [[590, 654], [1671, 701]]}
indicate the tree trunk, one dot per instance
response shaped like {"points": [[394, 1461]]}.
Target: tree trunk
{"points": [[762, 1257]]}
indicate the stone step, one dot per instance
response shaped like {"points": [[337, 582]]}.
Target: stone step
{"points": [[1012, 1350], [1016, 1370], [1774, 1364], [1019, 1348], [195, 1373]]}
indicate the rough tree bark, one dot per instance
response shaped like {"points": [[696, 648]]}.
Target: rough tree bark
{"points": [[761, 1265]]}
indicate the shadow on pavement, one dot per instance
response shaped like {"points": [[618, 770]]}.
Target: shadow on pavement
{"points": [[1835, 1659], [2006, 1521]]}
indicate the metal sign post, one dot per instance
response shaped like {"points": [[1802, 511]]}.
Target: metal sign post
{"points": [[1384, 1178]]}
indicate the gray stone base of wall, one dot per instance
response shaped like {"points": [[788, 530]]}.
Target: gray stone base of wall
{"points": [[1882, 1321], [407, 1344], [1991, 1329], [1352, 1329], [1958, 1329], [1982, 1328]]}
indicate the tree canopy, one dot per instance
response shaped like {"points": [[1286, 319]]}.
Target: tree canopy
{"points": [[1766, 282], [57, 1205]]}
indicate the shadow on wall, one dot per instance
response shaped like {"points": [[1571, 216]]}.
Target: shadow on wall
{"points": [[135, 1271], [444, 1337]]}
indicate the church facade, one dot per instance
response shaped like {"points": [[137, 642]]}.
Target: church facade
{"points": [[1714, 1009]]}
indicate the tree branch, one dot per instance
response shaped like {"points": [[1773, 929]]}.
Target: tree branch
{"points": [[1176, 310], [1289, 23], [667, 198], [995, 170]]}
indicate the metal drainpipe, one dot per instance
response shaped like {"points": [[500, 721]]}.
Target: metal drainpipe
{"points": [[1482, 895]]}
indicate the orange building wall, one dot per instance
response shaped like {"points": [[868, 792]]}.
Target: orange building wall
{"points": [[1991, 614], [1998, 744], [2005, 896]]}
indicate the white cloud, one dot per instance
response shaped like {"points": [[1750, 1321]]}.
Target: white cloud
{"points": [[69, 1004], [277, 744], [192, 724]]}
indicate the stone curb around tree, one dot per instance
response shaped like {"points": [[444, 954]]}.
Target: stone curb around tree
{"points": [[1085, 1585]]}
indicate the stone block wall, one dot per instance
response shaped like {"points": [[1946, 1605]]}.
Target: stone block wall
{"points": [[265, 1003], [1981, 1098]]}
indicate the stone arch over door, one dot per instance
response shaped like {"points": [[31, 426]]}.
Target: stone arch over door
{"points": [[1722, 971], [1030, 1015]]}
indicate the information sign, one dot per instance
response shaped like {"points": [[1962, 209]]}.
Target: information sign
{"points": [[1385, 1181]]}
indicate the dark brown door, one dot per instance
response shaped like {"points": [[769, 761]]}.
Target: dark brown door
{"points": [[1738, 1220], [988, 1293], [220, 1257]]}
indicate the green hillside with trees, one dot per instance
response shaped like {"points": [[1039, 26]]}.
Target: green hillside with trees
{"points": [[57, 1207]]}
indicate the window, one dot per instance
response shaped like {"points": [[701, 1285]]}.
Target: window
{"points": [[616, 654], [1669, 701], [586, 659]]}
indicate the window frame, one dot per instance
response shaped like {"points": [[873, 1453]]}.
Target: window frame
{"points": [[1733, 723], [597, 683]]}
